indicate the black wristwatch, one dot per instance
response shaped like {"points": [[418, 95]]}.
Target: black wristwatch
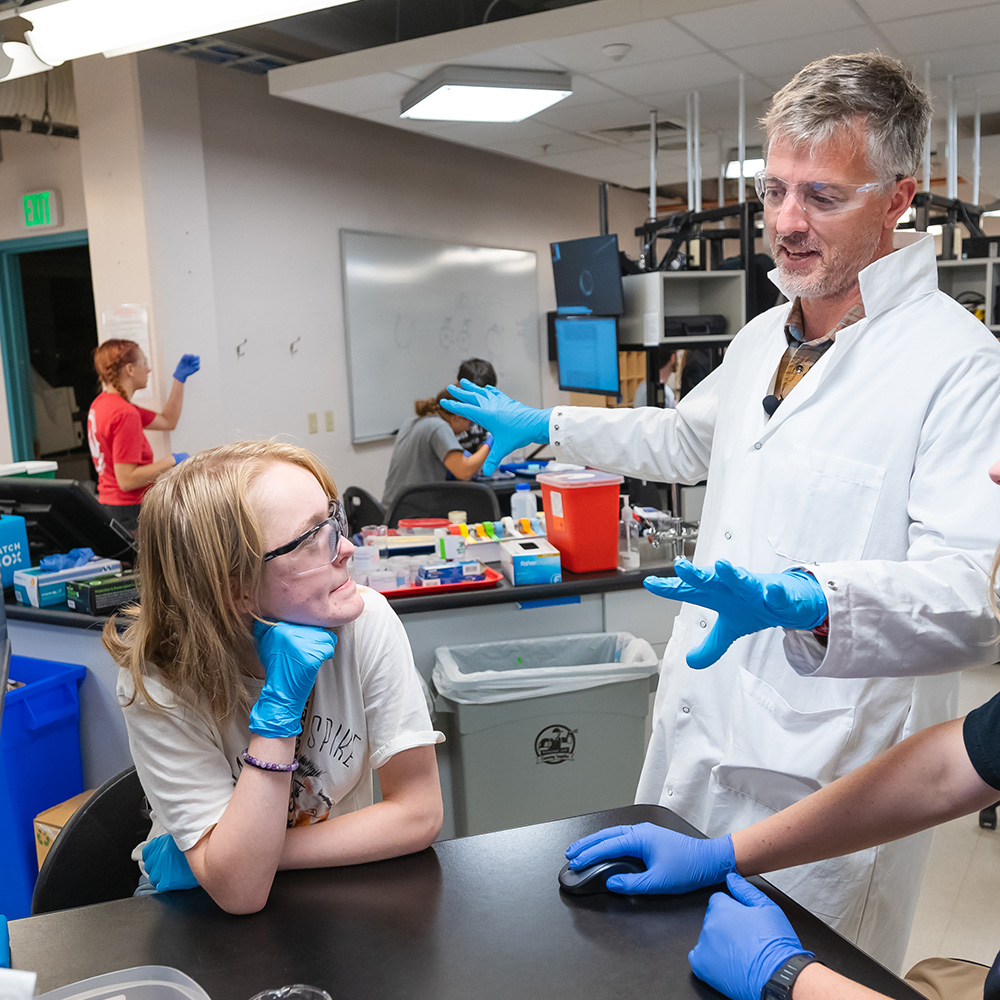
{"points": [[779, 986]]}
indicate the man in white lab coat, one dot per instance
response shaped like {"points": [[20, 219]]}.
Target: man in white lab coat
{"points": [[843, 440]]}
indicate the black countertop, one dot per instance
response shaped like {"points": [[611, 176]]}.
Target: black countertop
{"points": [[573, 585], [475, 917]]}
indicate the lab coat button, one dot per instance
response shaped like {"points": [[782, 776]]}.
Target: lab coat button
{"points": [[729, 534], [555, 427], [831, 584], [757, 446], [686, 710], [703, 624], [670, 791]]}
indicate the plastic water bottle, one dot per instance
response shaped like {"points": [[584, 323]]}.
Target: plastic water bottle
{"points": [[523, 503]]}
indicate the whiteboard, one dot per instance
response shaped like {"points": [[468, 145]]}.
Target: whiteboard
{"points": [[415, 309]]}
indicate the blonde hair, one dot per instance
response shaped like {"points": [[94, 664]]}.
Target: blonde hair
{"points": [[202, 544], [432, 406]]}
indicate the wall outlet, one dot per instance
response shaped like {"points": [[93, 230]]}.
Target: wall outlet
{"points": [[329, 419], [313, 423]]}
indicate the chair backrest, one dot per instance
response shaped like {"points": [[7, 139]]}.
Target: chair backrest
{"points": [[436, 499], [90, 861], [362, 508]]}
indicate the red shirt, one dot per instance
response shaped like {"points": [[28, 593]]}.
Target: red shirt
{"points": [[114, 431]]}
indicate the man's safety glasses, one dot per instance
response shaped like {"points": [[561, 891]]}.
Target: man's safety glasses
{"points": [[814, 197], [316, 548]]}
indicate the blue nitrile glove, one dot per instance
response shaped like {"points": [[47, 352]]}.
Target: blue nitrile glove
{"points": [[188, 365], [488, 441], [746, 602], [179, 456], [166, 866], [512, 424], [744, 940], [292, 656], [674, 863], [4, 943], [66, 560]]}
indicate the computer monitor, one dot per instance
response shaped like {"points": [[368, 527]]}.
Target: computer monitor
{"points": [[62, 514], [588, 275], [588, 354]]}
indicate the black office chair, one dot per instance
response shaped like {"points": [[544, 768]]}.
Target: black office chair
{"points": [[362, 508], [90, 861], [435, 500]]}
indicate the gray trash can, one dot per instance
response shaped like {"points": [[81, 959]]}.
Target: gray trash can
{"points": [[543, 728]]}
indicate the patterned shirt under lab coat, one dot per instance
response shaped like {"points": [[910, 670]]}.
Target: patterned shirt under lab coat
{"points": [[873, 474]]}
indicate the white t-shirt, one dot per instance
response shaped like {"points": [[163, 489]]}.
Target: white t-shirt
{"points": [[368, 705]]}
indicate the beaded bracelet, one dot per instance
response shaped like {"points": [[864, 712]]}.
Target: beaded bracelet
{"points": [[265, 765]]}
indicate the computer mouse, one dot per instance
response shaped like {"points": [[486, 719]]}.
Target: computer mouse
{"points": [[593, 879]]}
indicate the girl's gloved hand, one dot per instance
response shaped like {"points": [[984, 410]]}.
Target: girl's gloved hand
{"points": [[179, 456], [166, 866], [512, 424], [744, 940], [674, 863], [292, 656], [746, 602], [188, 365]]}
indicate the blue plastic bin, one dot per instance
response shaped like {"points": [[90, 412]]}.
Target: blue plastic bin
{"points": [[39, 766]]}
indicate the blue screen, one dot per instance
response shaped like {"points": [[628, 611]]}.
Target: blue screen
{"points": [[588, 353]]}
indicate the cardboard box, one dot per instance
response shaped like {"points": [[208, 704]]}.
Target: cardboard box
{"points": [[49, 823], [39, 589], [101, 595], [530, 560]]}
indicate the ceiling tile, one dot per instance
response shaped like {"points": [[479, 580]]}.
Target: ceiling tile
{"points": [[651, 41], [766, 20], [683, 74], [781, 60], [594, 117], [943, 31], [889, 10]]}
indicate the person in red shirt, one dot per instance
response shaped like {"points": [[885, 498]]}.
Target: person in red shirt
{"points": [[122, 455]]}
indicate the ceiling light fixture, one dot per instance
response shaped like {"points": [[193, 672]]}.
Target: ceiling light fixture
{"points": [[71, 29], [17, 57], [753, 160], [484, 94]]}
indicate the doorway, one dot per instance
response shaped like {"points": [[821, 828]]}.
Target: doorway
{"points": [[48, 331]]}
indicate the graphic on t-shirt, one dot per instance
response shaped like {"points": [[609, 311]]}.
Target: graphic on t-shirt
{"points": [[307, 804], [95, 446], [335, 740]]}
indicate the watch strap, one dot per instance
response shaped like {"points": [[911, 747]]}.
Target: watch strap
{"points": [[779, 986]]}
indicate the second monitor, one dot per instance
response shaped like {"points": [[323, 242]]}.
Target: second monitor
{"points": [[588, 354]]}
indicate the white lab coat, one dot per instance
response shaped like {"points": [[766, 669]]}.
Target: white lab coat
{"points": [[873, 474]]}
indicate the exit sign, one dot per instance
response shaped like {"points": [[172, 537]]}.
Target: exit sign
{"points": [[41, 210]]}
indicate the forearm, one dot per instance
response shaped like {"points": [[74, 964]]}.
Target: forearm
{"points": [[817, 982], [236, 861], [923, 781], [462, 467], [407, 819], [171, 411], [134, 477]]}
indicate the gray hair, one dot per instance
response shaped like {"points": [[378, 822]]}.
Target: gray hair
{"points": [[868, 96]]}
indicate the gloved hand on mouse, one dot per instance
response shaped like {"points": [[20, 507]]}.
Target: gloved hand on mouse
{"points": [[744, 940], [512, 424], [746, 602], [674, 863]]}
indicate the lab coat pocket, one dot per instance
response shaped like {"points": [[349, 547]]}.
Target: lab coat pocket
{"points": [[776, 754], [822, 506]]}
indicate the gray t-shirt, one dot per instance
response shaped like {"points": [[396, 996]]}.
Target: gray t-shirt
{"points": [[418, 457]]}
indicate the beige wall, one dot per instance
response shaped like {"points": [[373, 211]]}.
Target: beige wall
{"points": [[232, 238]]}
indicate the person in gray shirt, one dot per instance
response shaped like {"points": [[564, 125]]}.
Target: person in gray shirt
{"points": [[427, 449]]}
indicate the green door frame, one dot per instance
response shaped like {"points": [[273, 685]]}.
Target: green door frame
{"points": [[14, 335]]}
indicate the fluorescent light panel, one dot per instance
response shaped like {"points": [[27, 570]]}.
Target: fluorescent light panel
{"points": [[484, 94], [72, 29]]}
